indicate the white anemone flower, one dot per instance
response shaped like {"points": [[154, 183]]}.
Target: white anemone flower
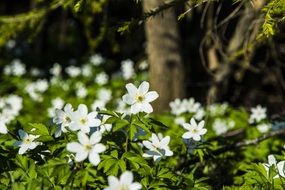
{"points": [[195, 131], [124, 183], [158, 147], [87, 147], [127, 67], [139, 98], [102, 78], [257, 114], [82, 120], [63, 118], [264, 127], [279, 166], [27, 142], [105, 126]]}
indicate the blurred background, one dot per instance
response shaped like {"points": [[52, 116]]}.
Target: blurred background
{"points": [[214, 51]]}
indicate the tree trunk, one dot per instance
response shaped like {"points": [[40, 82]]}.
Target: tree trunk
{"points": [[166, 68]]}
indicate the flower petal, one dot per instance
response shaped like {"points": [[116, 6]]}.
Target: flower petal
{"points": [[127, 178], [187, 135], [74, 147], [80, 156], [96, 137], [135, 186], [94, 158], [98, 148], [143, 88], [82, 137], [151, 96], [147, 108], [83, 110], [132, 90], [128, 99]]}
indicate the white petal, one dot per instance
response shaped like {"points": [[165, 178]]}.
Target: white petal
{"points": [[74, 147], [203, 131], [82, 108], [143, 88], [132, 90], [155, 139], [33, 145], [201, 124], [113, 181], [135, 186], [147, 108], [95, 123], [74, 126], [96, 137], [148, 145], [168, 152], [186, 126], [280, 167], [80, 156], [23, 149], [187, 135], [196, 137], [68, 108], [193, 122], [136, 108], [128, 99], [151, 96], [82, 138], [165, 140], [94, 158], [98, 148], [127, 178]]}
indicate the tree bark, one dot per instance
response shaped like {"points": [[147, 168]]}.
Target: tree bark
{"points": [[163, 50]]}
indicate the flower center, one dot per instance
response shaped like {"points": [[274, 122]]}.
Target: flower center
{"points": [[195, 131], [123, 187], [67, 119], [27, 140], [83, 121], [140, 98], [88, 147]]}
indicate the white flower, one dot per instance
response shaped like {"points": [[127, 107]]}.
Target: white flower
{"points": [[143, 65], [220, 126], [192, 106], [139, 98], [279, 166], [178, 107], [125, 182], [257, 114], [102, 78], [158, 147], [87, 147], [55, 70], [127, 68], [3, 127], [264, 127], [104, 94], [195, 131], [200, 113], [82, 120], [73, 71], [81, 92], [27, 142], [17, 67], [87, 70], [96, 60], [63, 119], [11, 44]]}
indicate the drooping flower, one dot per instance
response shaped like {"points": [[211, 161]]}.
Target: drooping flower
{"points": [[139, 98], [82, 120], [158, 147], [63, 118], [87, 147], [27, 142], [124, 183], [257, 114], [278, 166], [195, 131], [105, 126]]}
